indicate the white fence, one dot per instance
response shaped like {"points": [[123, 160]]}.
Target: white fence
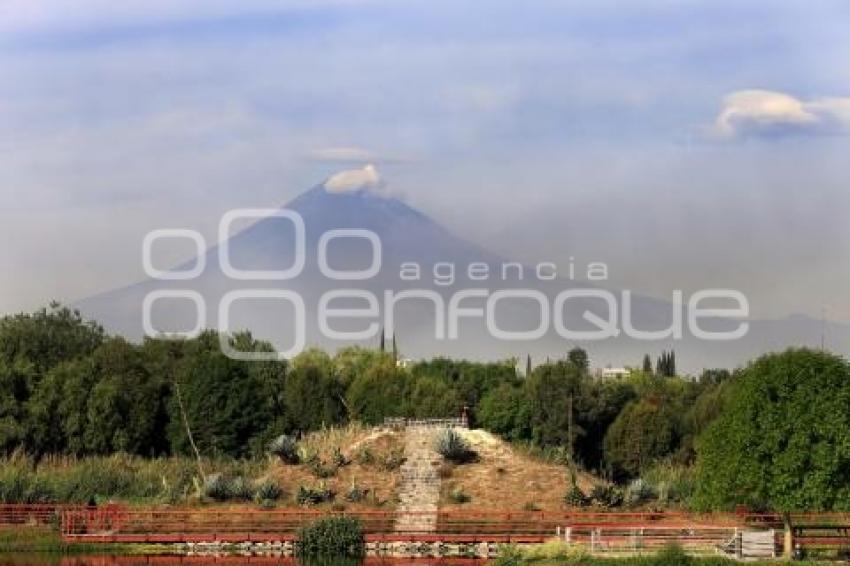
{"points": [[401, 422], [704, 540]]}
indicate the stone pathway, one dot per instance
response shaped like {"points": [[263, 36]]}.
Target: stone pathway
{"points": [[419, 488]]}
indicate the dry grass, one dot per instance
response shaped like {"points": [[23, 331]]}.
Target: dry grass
{"points": [[507, 479], [381, 484], [324, 441]]}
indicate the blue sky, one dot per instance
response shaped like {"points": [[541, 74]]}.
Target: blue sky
{"points": [[688, 144]]}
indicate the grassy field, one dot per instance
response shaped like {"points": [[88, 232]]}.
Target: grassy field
{"points": [[358, 465], [46, 540], [176, 480], [556, 553]]}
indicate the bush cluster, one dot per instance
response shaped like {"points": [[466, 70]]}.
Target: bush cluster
{"points": [[638, 492], [356, 493], [575, 497], [285, 448], [267, 491], [364, 456], [221, 487], [96, 479], [332, 537], [314, 495], [451, 446], [606, 495], [392, 461]]}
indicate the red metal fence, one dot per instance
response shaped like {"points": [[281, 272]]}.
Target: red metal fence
{"points": [[15, 514], [115, 523], [118, 524]]}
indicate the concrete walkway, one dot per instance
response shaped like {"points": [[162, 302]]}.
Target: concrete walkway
{"points": [[419, 488]]}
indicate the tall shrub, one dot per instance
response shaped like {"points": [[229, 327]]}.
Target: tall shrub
{"points": [[330, 538]]}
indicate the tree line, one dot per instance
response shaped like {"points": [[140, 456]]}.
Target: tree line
{"points": [[774, 434], [66, 387]]}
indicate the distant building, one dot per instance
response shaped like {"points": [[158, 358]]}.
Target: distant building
{"points": [[403, 362], [613, 373]]}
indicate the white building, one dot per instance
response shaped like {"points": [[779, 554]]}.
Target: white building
{"points": [[614, 373]]}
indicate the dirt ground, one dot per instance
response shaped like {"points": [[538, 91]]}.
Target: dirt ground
{"points": [[501, 478], [506, 479], [373, 477]]}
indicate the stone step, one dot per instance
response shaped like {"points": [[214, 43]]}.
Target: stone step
{"points": [[419, 486]]}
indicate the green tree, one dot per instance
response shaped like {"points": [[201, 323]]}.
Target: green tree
{"points": [[643, 433], [126, 408], [48, 337], [647, 364], [551, 391], [505, 411], [58, 409], [378, 391], [597, 405], [471, 380], [666, 364], [313, 395], [30, 345], [432, 397], [353, 361], [714, 376], [578, 357], [225, 400], [708, 405], [16, 378], [784, 440]]}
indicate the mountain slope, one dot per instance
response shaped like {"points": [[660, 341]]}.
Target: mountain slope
{"points": [[408, 236]]}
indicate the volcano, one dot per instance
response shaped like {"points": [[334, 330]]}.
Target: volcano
{"points": [[411, 243]]}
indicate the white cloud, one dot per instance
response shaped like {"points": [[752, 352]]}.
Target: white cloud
{"points": [[770, 113], [352, 154], [343, 154], [352, 180], [835, 111]]}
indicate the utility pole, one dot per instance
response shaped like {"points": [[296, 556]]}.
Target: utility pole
{"points": [[570, 427]]}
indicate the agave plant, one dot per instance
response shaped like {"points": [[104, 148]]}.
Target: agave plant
{"points": [[355, 493], [217, 487], [286, 448], [451, 446], [638, 491], [240, 489], [575, 497], [267, 490], [603, 495]]}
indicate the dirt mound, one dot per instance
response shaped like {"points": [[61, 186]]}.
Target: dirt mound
{"points": [[372, 457], [507, 479], [503, 477]]}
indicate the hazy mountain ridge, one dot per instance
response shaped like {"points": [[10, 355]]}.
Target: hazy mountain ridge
{"points": [[408, 235]]}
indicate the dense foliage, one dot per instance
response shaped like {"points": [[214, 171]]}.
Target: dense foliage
{"points": [[104, 478], [783, 443], [331, 537], [775, 434]]}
